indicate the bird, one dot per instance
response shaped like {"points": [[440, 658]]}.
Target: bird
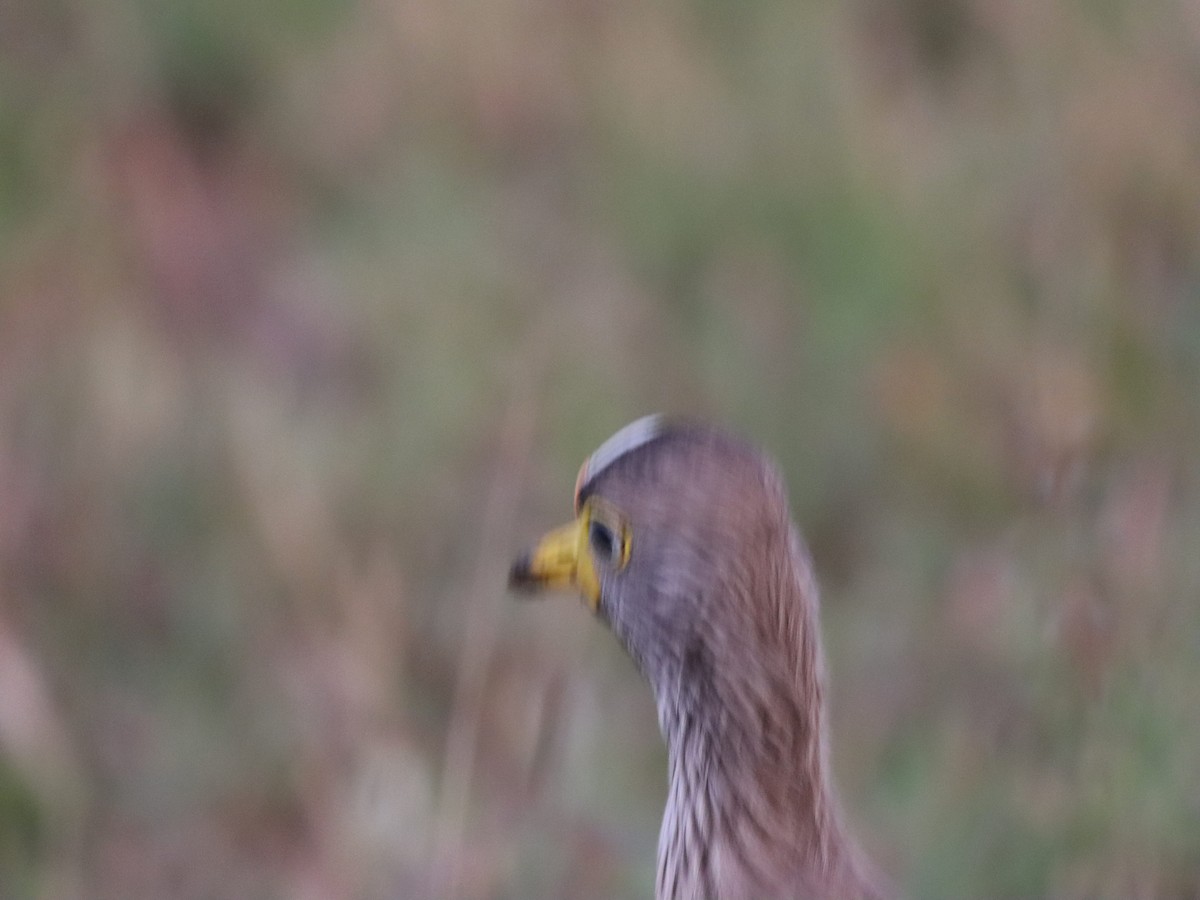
{"points": [[683, 542]]}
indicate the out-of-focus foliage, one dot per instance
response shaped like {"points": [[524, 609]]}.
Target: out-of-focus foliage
{"points": [[309, 311]]}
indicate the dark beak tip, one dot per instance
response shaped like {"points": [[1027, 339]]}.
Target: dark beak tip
{"points": [[520, 577]]}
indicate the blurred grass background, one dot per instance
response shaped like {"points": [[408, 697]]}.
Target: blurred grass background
{"points": [[309, 311]]}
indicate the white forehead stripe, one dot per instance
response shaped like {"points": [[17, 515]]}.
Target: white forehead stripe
{"points": [[632, 436]]}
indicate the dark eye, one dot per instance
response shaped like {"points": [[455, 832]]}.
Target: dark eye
{"points": [[602, 540]]}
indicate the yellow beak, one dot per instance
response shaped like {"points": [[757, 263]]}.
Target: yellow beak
{"points": [[561, 559]]}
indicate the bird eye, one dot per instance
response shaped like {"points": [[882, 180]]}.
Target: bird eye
{"points": [[602, 539]]}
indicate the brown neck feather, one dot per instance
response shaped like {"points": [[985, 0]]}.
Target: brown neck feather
{"points": [[751, 810]]}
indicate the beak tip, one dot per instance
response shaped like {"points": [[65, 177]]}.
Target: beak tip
{"points": [[520, 576]]}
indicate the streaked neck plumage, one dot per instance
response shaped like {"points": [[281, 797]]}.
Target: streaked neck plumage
{"points": [[751, 811]]}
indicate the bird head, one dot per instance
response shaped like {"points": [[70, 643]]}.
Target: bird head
{"points": [[676, 525]]}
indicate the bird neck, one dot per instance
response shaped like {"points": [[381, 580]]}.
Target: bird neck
{"points": [[750, 805]]}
